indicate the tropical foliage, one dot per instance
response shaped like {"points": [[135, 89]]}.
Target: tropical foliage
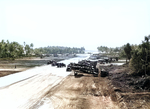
{"points": [[123, 51], [58, 50], [109, 50], [140, 60], [14, 50], [138, 55]]}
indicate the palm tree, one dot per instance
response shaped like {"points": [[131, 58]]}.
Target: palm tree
{"points": [[31, 48], [27, 49]]}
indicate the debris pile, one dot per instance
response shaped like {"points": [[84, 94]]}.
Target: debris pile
{"points": [[86, 66], [54, 63]]}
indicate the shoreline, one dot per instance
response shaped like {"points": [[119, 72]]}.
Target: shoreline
{"points": [[6, 72]]}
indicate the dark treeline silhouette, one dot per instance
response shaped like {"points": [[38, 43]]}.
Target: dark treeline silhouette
{"points": [[58, 50], [140, 58], [12, 50]]}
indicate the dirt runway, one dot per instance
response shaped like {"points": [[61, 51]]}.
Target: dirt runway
{"points": [[81, 92], [48, 91]]}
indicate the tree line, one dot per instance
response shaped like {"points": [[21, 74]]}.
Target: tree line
{"points": [[14, 50], [109, 50], [138, 55], [58, 50], [119, 51]]}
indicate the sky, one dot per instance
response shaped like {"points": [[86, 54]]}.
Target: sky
{"points": [[75, 23]]}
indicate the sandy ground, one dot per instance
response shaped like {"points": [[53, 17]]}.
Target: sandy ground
{"points": [[50, 91], [24, 94], [81, 92]]}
